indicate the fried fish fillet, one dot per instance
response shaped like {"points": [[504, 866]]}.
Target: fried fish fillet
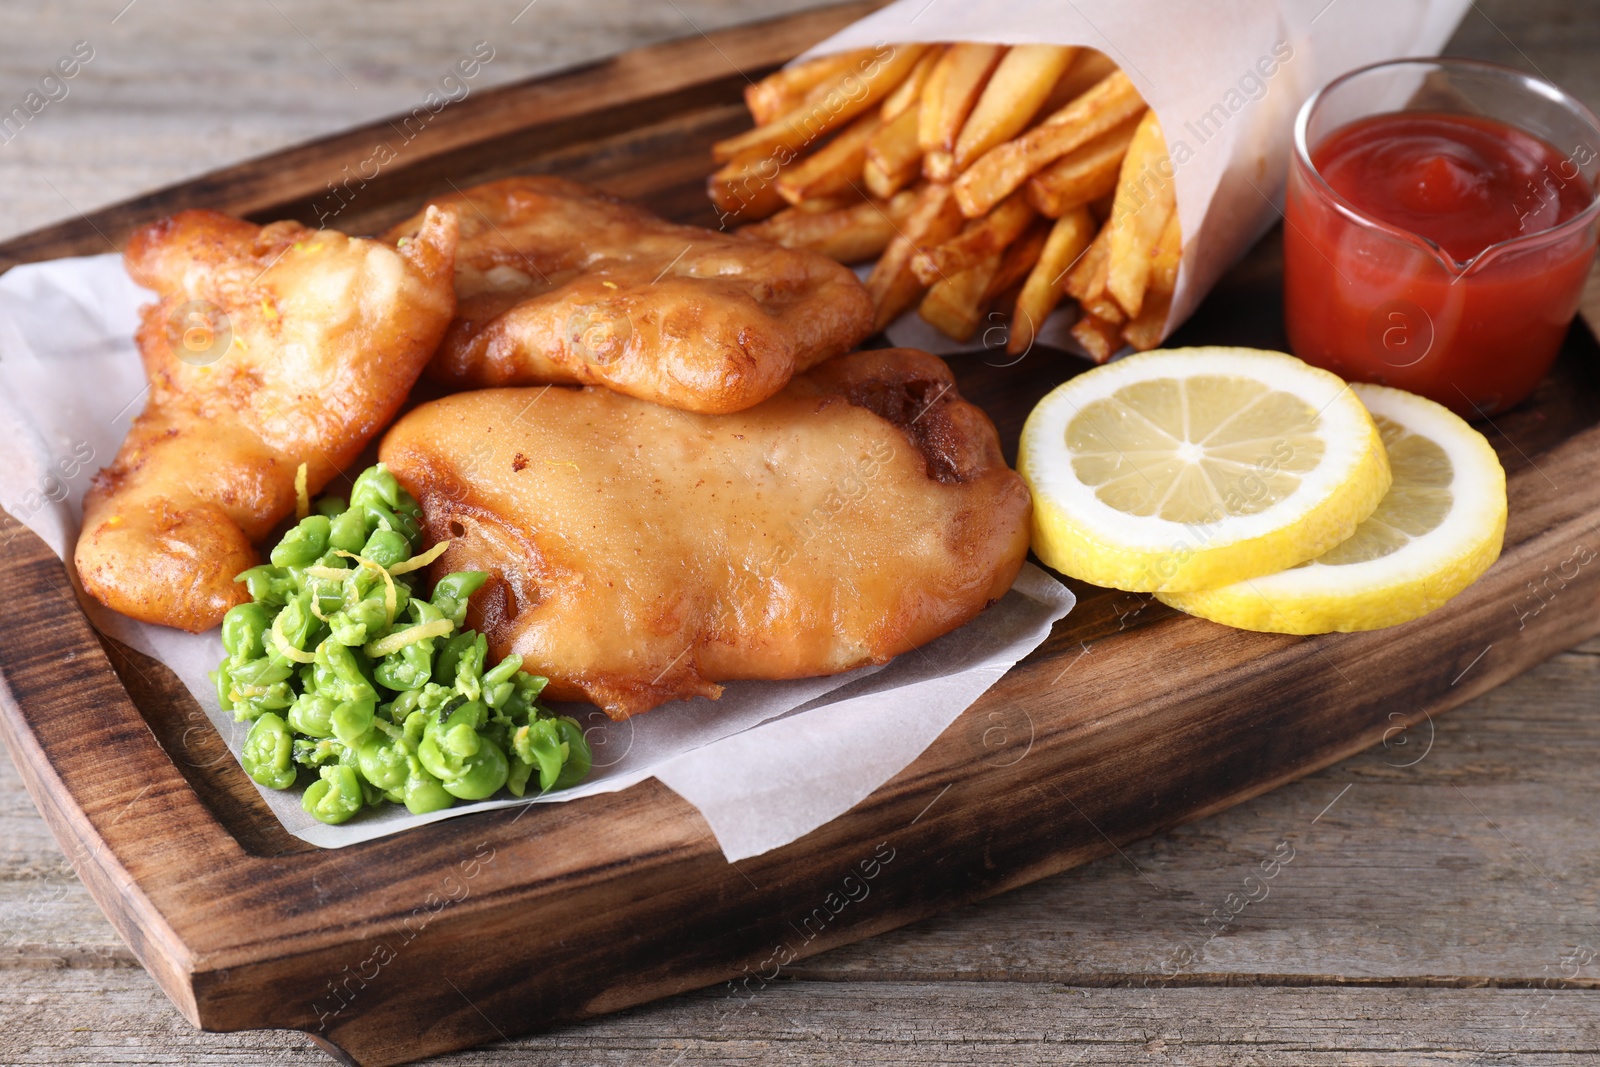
{"points": [[559, 283], [638, 554], [271, 347]]}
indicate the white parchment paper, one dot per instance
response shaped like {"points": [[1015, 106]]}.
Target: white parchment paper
{"points": [[765, 764], [1225, 77]]}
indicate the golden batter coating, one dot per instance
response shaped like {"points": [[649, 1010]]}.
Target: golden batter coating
{"points": [[639, 554], [559, 283], [271, 346]]}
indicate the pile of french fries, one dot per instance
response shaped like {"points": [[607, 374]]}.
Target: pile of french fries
{"points": [[990, 184]]}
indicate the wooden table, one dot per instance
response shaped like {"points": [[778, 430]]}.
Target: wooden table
{"points": [[1440, 903]]}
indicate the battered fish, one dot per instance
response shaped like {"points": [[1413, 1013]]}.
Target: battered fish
{"points": [[271, 347], [639, 554], [558, 283]]}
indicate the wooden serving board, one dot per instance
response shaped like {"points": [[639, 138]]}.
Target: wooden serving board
{"points": [[1128, 720]]}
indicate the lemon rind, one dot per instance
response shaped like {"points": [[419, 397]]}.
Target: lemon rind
{"points": [[1324, 511], [1412, 581]]}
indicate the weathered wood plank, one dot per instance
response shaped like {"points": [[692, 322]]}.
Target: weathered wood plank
{"points": [[826, 1024]]}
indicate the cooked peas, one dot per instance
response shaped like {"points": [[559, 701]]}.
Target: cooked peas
{"points": [[346, 670]]}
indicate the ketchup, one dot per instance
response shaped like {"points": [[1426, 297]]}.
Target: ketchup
{"points": [[1443, 316]]}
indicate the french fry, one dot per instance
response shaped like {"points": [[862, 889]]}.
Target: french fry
{"points": [[1094, 299], [955, 304], [997, 173], [893, 157], [908, 94], [1069, 238], [992, 233], [1016, 90], [1101, 339], [826, 108], [1088, 70], [1165, 258], [783, 90], [1143, 331], [834, 167], [1082, 175], [746, 188], [852, 234], [967, 67], [934, 219], [1145, 200], [1090, 263], [1019, 258]]}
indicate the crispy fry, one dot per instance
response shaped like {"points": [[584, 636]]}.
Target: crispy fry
{"points": [[783, 90], [955, 304], [1082, 175], [1101, 339], [1016, 90], [1088, 70], [1146, 198], [977, 240], [967, 67], [908, 94], [1166, 257], [827, 107], [934, 219], [1019, 258], [833, 168], [746, 188], [1069, 238], [1144, 332], [998, 173], [893, 157], [851, 234], [1095, 299], [1090, 263]]}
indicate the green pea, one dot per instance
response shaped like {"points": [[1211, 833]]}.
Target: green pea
{"points": [[248, 704], [321, 752], [338, 672], [540, 744], [408, 668], [383, 760], [497, 683], [223, 680], [265, 756], [444, 668], [469, 668], [243, 628], [268, 586], [347, 531], [295, 623], [482, 774], [423, 793], [312, 715], [450, 593], [335, 797], [386, 548], [352, 719], [517, 779], [375, 485], [331, 506], [303, 544], [579, 757]]}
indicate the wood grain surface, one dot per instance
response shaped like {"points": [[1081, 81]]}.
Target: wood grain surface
{"points": [[1469, 867]]}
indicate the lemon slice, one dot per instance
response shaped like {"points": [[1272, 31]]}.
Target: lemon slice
{"points": [[1198, 467], [1440, 526]]}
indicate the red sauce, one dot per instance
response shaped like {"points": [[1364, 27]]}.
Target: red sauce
{"points": [[1375, 306]]}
